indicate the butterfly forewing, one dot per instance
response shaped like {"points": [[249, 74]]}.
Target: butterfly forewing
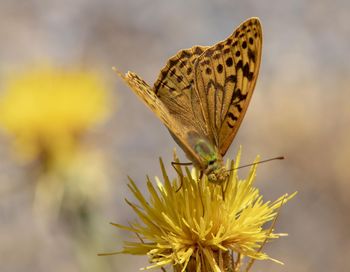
{"points": [[203, 92], [225, 78], [247, 63]]}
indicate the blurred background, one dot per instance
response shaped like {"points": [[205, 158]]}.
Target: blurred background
{"points": [[63, 176]]}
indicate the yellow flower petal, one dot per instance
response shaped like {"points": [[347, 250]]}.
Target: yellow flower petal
{"points": [[175, 229], [45, 110]]}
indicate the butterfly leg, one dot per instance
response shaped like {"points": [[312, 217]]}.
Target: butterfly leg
{"points": [[223, 191], [179, 172], [200, 190]]}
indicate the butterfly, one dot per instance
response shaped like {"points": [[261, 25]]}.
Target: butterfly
{"points": [[202, 94]]}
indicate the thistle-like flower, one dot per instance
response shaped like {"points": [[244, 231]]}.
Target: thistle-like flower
{"points": [[202, 226], [46, 110]]}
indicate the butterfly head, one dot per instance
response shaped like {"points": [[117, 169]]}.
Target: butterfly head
{"points": [[219, 175]]}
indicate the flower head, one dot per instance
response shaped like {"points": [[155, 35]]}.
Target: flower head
{"points": [[47, 109], [203, 226]]}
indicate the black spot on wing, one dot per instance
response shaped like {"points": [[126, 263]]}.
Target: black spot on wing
{"points": [[220, 68], [217, 56], [205, 62], [237, 94], [208, 71], [232, 117], [182, 64], [164, 73], [219, 46], [247, 73], [209, 52], [251, 55], [231, 78], [198, 51], [185, 54], [173, 62], [189, 70], [227, 50], [229, 62]]}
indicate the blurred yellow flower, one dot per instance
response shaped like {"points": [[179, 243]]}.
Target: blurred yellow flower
{"points": [[175, 230], [46, 110]]}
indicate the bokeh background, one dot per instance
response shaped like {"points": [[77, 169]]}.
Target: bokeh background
{"points": [[300, 109]]}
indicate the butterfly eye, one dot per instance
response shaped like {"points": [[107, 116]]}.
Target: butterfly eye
{"points": [[211, 162]]}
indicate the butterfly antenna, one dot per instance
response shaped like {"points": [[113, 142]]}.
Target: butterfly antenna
{"points": [[118, 72], [255, 163], [122, 75]]}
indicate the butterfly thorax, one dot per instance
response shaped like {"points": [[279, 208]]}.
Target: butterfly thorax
{"points": [[212, 164]]}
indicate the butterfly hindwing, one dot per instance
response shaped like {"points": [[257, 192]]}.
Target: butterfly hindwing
{"points": [[175, 88], [225, 77]]}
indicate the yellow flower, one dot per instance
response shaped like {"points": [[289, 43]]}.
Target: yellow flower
{"points": [[47, 109], [200, 227]]}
